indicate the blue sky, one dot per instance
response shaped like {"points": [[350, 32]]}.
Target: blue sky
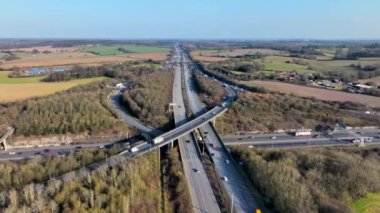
{"points": [[199, 19]]}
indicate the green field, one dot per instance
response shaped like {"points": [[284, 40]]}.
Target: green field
{"points": [[368, 204], [114, 49], [285, 67], [6, 80]]}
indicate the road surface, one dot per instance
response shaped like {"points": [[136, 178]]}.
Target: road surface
{"points": [[202, 196], [129, 119], [283, 140], [238, 189]]}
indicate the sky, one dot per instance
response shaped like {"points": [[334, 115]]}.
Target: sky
{"points": [[190, 19]]}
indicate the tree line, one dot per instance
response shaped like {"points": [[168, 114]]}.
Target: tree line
{"points": [[131, 185], [149, 99], [321, 180], [274, 111], [125, 71], [82, 109], [210, 92]]}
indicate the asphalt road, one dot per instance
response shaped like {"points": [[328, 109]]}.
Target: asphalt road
{"points": [[283, 140], [202, 196], [243, 200], [129, 119], [18, 154]]}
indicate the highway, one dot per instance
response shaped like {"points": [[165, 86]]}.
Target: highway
{"points": [[202, 196], [238, 189], [283, 140], [19, 154]]}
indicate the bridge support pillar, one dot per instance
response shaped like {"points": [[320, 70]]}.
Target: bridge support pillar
{"points": [[4, 143]]}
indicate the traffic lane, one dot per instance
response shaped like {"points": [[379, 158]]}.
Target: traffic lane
{"points": [[201, 182], [201, 192], [18, 154], [189, 126], [242, 199], [132, 121], [285, 136], [311, 145], [270, 138], [235, 184]]}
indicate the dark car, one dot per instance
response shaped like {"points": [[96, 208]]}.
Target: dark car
{"points": [[46, 150], [78, 147]]}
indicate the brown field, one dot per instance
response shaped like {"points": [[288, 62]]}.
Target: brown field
{"points": [[207, 58], [48, 48], [13, 92], [237, 52], [4, 74], [322, 94], [70, 58], [376, 80]]}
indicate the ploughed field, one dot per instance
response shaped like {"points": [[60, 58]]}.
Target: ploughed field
{"points": [[322, 94]]}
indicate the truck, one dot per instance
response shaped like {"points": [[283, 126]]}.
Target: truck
{"points": [[158, 140], [198, 135], [134, 149], [303, 132]]}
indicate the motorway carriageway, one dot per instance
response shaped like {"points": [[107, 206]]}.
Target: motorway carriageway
{"points": [[236, 186], [201, 193]]}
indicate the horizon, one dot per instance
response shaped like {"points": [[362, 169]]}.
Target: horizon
{"points": [[173, 20]]}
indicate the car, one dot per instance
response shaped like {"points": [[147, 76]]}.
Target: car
{"points": [[187, 141], [251, 137], [78, 147], [64, 153], [101, 147], [212, 154], [240, 139], [205, 132], [12, 153], [46, 150], [196, 170], [227, 161], [37, 153], [205, 136], [273, 137], [225, 179], [250, 146]]}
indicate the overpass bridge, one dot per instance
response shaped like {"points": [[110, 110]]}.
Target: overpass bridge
{"points": [[3, 139], [179, 131]]}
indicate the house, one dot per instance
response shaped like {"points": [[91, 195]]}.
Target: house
{"points": [[120, 86]]}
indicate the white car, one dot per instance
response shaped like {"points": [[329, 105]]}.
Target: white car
{"points": [[227, 161], [273, 137], [12, 153], [225, 179]]}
